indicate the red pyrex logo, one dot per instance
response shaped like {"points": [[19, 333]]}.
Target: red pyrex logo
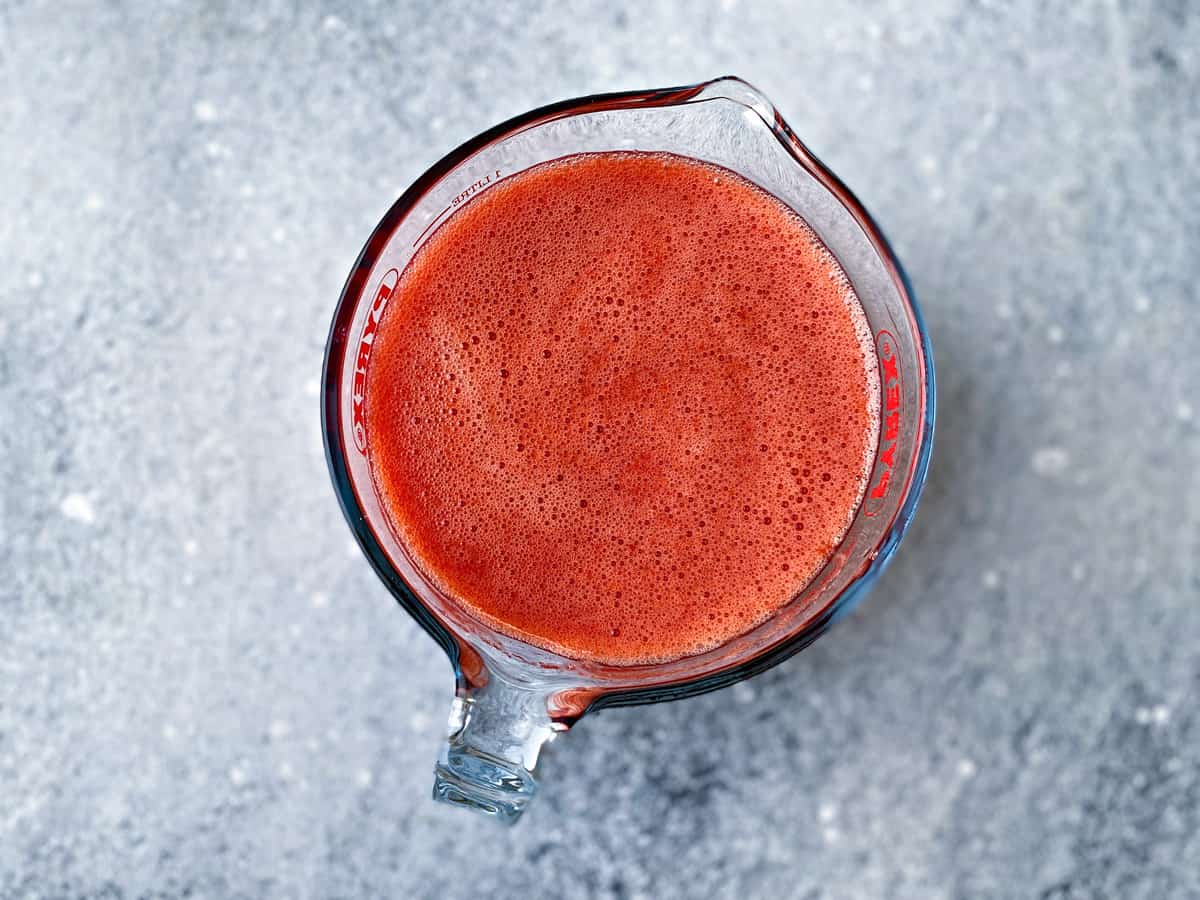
{"points": [[885, 346], [387, 284]]}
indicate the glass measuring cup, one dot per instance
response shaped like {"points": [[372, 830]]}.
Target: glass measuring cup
{"points": [[511, 697]]}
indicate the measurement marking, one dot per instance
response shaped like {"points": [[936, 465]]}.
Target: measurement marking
{"points": [[461, 198]]}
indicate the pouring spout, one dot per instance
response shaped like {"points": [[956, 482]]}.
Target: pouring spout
{"points": [[730, 87]]}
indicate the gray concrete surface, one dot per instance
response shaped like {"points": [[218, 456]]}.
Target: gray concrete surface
{"points": [[204, 692]]}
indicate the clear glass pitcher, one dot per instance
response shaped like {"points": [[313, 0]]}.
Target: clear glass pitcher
{"points": [[511, 697]]}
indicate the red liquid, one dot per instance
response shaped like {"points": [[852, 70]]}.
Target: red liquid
{"points": [[622, 406]]}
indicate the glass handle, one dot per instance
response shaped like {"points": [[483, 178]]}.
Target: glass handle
{"points": [[495, 734]]}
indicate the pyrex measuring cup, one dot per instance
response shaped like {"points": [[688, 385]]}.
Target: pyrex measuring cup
{"points": [[511, 697]]}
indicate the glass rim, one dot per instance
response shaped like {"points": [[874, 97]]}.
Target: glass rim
{"points": [[339, 340]]}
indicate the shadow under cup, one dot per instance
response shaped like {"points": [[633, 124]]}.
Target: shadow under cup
{"points": [[512, 697]]}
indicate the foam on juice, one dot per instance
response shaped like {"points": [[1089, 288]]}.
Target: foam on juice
{"points": [[622, 406]]}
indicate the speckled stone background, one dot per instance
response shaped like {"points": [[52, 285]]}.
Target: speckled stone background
{"points": [[204, 691]]}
